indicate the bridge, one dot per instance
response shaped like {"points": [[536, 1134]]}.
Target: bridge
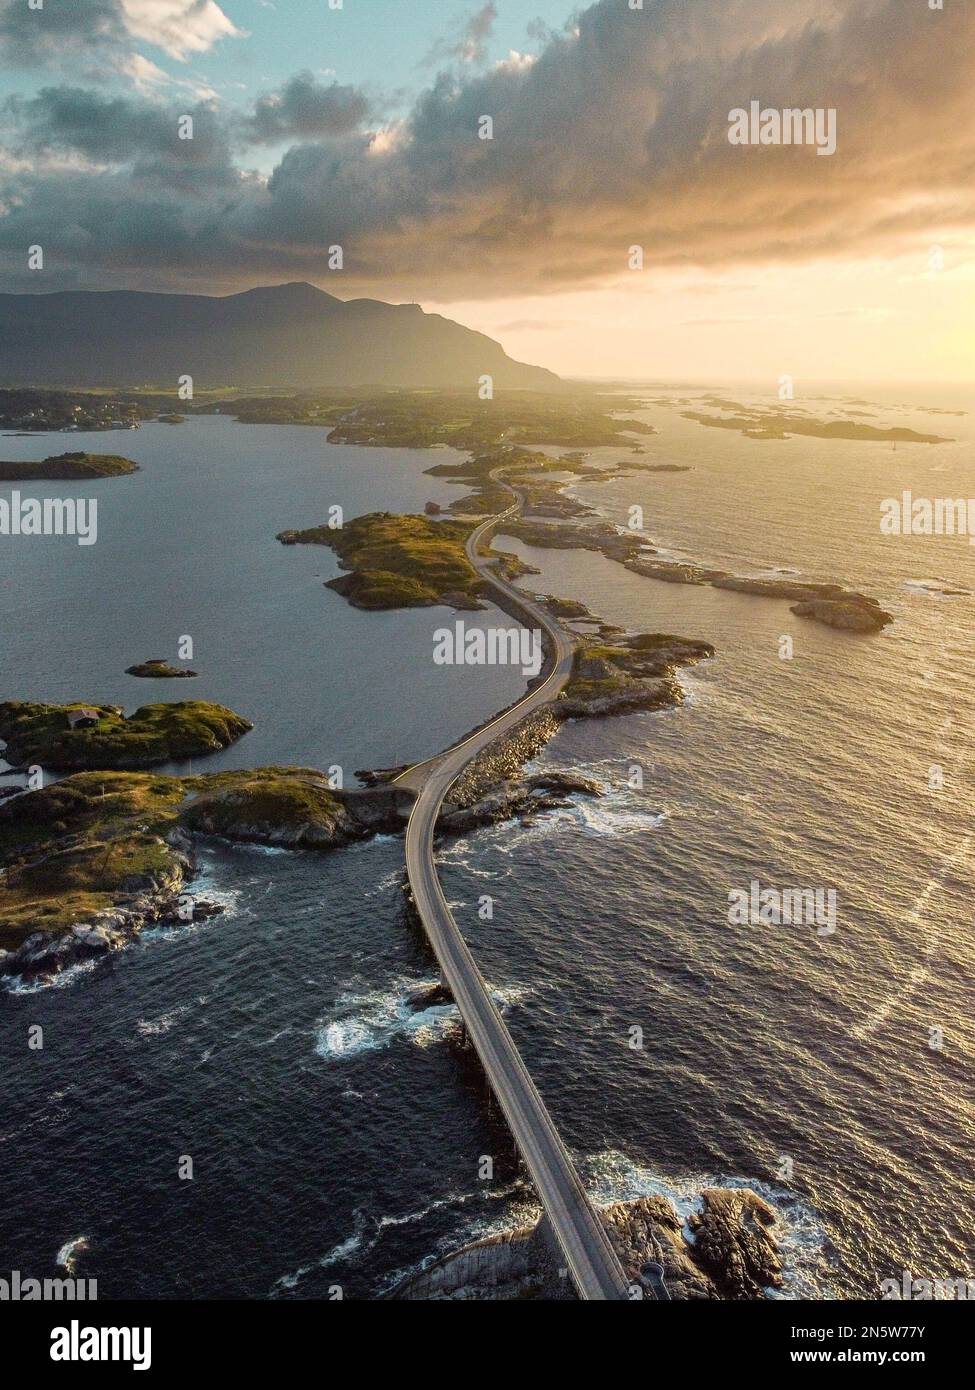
{"points": [[582, 1239]]}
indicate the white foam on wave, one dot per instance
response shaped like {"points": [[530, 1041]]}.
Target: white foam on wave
{"points": [[203, 888], [521, 1212], [249, 847], [933, 588], [68, 1255], [370, 1021], [368, 1231], [801, 1237], [614, 815], [345, 1250], [459, 854], [157, 1027], [64, 979], [388, 883]]}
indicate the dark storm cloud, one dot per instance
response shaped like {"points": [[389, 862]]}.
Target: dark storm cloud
{"points": [[59, 33], [115, 130], [306, 110]]}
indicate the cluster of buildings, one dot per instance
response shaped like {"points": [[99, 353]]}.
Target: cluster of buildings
{"points": [[71, 419]]}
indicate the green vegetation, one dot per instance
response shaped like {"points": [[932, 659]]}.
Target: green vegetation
{"points": [[94, 841], [619, 669], [154, 734], [75, 848], [91, 842], [323, 410], [28, 408], [77, 465], [398, 561], [459, 420], [266, 804], [425, 419]]}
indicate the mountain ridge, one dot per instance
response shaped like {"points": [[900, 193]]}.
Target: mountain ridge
{"points": [[288, 335]]}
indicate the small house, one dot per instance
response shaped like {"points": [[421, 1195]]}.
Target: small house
{"points": [[82, 718]]}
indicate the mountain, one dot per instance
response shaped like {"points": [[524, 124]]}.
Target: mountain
{"points": [[283, 335]]}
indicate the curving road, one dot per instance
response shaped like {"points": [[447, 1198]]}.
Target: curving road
{"points": [[590, 1258]]}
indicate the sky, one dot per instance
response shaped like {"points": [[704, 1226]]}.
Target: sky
{"points": [[358, 124]]}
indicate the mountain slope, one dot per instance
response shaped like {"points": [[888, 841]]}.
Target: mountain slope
{"points": [[284, 335]]}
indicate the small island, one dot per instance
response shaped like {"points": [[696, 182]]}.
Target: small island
{"points": [[398, 561], [780, 424], [68, 467], [628, 674], [87, 863], [78, 736], [156, 668]]}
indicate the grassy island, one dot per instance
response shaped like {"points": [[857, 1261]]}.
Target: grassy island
{"points": [[77, 736], [398, 561], [89, 861], [631, 672], [68, 466], [287, 805], [458, 419]]}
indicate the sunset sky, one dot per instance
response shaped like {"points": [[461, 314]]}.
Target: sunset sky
{"points": [[359, 126]]}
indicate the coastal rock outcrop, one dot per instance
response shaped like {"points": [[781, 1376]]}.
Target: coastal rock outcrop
{"points": [[628, 674], [851, 613], [731, 1254], [156, 668], [521, 799]]}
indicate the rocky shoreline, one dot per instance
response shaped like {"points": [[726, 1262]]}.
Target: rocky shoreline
{"points": [[831, 604], [89, 862], [151, 899], [726, 1250]]}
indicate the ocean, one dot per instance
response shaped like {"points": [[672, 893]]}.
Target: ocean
{"points": [[335, 1135]]}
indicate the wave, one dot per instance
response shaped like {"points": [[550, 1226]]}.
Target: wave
{"points": [[614, 815], [521, 1210], [934, 587], [157, 1027], [368, 1231], [64, 979], [371, 1021], [386, 884], [338, 1253]]}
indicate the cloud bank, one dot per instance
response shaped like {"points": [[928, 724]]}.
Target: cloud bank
{"points": [[614, 133]]}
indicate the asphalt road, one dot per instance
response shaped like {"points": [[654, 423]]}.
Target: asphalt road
{"points": [[589, 1257]]}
